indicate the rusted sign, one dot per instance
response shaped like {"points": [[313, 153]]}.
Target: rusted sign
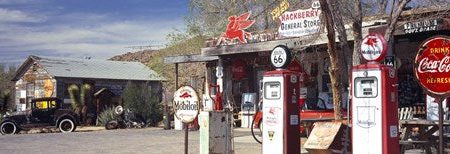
{"points": [[432, 65]]}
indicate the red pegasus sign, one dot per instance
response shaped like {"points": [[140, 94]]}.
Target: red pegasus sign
{"points": [[185, 95], [432, 67], [235, 28]]}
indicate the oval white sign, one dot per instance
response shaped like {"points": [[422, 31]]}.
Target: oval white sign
{"points": [[186, 104]]}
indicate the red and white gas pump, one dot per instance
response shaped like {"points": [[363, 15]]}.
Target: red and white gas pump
{"points": [[374, 101], [280, 110]]}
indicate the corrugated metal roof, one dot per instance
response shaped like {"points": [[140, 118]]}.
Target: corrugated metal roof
{"points": [[97, 69]]}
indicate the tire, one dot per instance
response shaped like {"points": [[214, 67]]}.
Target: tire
{"points": [[112, 124], [8, 128], [258, 134], [66, 125]]}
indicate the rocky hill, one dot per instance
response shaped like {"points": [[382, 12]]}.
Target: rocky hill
{"points": [[154, 60], [141, 56]]}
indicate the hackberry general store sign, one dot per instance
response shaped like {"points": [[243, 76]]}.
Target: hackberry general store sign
{"points": [[300, 22], [432, 65], [186, 104]]}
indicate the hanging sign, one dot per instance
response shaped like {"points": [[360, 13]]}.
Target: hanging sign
{"points": [[236, 28], [421, 26], [280, 57], [300, 22], [432, 65], [373, 47], [186, 104]]}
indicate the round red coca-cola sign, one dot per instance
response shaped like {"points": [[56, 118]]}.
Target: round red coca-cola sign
{"points": [[432, 65]]}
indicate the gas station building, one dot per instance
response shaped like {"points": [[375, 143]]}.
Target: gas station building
{"points": [[244, 64]]}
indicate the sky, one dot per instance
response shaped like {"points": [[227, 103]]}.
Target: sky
{"points": [[84, 28]]}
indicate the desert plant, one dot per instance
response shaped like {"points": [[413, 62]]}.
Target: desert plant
{"points": [[74, 93], [78, 99], [140, 100], [107, 115]]}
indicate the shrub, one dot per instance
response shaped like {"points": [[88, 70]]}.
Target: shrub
{"points": [[140, 100], [106, 116]]}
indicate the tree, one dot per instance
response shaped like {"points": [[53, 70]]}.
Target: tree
{"points": [[212, 16], [352, 12], [7, 88]]}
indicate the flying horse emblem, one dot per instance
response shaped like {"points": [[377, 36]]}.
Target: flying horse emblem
{"points": [[235, 28]]}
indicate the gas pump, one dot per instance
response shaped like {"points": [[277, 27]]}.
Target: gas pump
{"points": [[280, 110], [374, 101]]}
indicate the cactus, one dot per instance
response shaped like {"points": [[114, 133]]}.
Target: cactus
{"points": [[78, 99], [74, 93], [85, 89]]}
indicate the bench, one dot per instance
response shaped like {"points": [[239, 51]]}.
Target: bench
{"points": [[415, 144]]}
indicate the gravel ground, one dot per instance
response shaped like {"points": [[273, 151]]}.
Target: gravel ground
{"points": [[89, 140], [149, 140]]}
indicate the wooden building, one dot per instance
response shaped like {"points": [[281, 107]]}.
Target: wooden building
{"points": [[42, 76]]}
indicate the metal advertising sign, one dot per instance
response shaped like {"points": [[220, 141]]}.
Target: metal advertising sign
{"points": [[432, 65], [280, 57], [186, 104], [300, 22], [432, 69], [236, 28], [373, 47]]}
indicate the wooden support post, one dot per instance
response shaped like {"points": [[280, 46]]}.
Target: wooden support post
{"points": [[441, 128], [176, 75]]}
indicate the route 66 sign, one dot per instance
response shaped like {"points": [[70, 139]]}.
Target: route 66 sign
{"points": [[280, 57]]}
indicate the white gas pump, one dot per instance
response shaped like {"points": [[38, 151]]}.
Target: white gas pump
{"points": [[280, 110], [374, 103]]}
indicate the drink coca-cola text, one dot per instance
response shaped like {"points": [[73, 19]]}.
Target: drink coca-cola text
{"points": [[432, 66]]}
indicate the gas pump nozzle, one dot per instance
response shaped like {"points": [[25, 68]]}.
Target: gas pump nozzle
{"points": [[218, 100]]}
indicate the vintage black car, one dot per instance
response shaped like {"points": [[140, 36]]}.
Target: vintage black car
{"points": [[44, 112]]}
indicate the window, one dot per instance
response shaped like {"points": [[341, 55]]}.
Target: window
{"points": [[272, 90], [366, 87], [45, 104]]}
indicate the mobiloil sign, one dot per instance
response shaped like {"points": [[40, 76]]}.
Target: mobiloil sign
{"points": [[186, 104]]}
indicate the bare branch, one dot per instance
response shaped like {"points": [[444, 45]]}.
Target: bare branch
{"points": [[394, 19]]}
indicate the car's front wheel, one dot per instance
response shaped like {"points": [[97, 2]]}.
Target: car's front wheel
{"points": [[8, 128], [66, 125]]}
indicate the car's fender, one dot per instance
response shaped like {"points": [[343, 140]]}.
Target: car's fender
{"points": [[18, 125]]}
